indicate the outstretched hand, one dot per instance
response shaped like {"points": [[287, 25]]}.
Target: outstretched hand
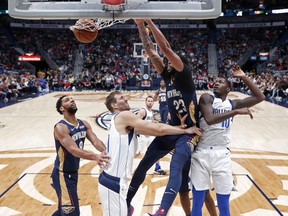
{"points": [[237, 71], [245, 111], [194, 130], [103, 160]]}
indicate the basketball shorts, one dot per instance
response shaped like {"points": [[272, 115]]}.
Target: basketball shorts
{"points": [[65, 185], [164, 144], [113, 192], [215, 162]]}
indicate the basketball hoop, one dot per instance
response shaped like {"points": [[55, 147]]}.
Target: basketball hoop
{"points": [[109, 9], [95, 24], [113, 5], [113, 2]]}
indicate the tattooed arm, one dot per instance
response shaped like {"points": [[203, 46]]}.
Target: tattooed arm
{"points": [[149, 47]]}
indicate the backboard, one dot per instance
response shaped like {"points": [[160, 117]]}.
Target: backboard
{"points": [[76, 9], [139, 50]]}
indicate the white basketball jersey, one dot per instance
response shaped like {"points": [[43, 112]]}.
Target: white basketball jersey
{"points": [[143, 140], [149, 115], [217, 134], [121, 148]]}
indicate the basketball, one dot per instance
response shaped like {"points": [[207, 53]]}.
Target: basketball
{"points": [[87, 34]]}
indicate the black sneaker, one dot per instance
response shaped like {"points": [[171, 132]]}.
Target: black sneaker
{"points": [[130, 210], [160, 172]]}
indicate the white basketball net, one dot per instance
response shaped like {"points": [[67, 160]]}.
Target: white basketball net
{"points": [[93, 24]]}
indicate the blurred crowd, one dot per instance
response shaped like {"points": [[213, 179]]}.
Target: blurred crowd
{"points": [[108, 62], [13, 86]]}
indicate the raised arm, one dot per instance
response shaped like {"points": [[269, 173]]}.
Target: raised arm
{"points": [[165, 47], [149, 47], [95, 141], [257, 94], [156, 96], [62, 135], [126, 120], [206, 109]]}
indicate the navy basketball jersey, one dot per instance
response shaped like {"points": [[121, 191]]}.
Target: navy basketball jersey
{"points": [[181, 96], [162, 98], [65, 161]]}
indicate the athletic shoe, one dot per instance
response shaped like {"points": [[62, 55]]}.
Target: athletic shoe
{"points": [[234, 188], [160, 172], [130, 210], [160, 212]]}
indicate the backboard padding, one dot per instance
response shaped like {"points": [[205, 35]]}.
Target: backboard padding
{"points": [[63, 10]]}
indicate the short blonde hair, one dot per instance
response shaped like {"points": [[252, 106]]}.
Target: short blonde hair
{"points": [[110, 99]]}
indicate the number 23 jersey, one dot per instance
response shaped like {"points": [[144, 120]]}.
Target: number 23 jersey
{"points": [[181, 96]]}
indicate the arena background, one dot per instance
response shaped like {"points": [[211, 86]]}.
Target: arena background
{"points": [[252, 33]]}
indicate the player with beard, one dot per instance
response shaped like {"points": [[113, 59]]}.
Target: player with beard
{"points": [[182, 101], [70, 134]]}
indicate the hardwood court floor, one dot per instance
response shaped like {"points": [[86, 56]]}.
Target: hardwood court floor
{"points": [[259, 153]]}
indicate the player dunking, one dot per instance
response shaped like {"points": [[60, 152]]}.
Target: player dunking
{"points": [[212, 157], [181, 97], [70, 134], [121, 146]]}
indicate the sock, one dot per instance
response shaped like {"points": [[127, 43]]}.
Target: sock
{"points": [[198, 201], [223, 204]]}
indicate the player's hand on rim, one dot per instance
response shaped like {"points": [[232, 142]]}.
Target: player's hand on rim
{"points": [[138, 21], [148, 21]]}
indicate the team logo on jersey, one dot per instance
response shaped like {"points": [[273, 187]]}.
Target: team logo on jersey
{"points": [[103, 120]]}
